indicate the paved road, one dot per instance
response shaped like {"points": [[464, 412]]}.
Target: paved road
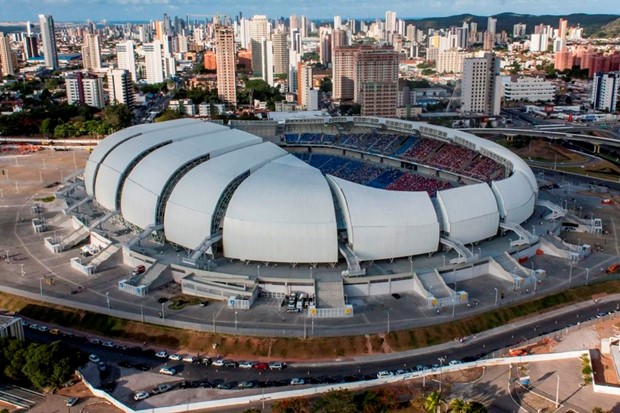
{"points": [[359, 368]]}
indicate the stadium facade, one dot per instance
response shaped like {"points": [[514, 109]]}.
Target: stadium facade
{"points": [[203, 185]]}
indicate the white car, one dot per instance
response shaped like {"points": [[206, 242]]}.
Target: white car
{"points": [[162, 354], [168, 371], [94, 358], [454, 362], [276, 365], [384, 374], [43, 328], [218, 362], [246, 365], [161, 388], [141, 395], [296, 381], [175, 357], [189, 359], [108, 344]]}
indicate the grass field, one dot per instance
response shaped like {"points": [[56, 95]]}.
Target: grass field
{"points": [[294, 349]]}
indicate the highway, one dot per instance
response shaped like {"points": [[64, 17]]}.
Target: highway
{"points": [[347, 369]]}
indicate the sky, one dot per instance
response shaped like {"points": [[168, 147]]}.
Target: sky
{"points": [[133, 10]]}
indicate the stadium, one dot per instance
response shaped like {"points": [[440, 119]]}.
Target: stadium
{"points": [[327, 194]]}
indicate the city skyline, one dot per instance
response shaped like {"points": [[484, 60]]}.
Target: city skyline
{"points": [[131, 10]]}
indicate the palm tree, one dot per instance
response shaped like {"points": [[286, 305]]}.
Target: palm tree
{"points": [[432, 402], [458, 405]]}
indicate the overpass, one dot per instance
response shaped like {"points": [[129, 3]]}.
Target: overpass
{"points": [[511, 133]]}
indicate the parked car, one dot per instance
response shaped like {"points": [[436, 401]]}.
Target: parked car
{"points": [[175, 357], [276, 365], [162, 354], [384, 374], [71, 401], [218, 362], [246, 384], [230, 363], [43, 328], [168, 371], [296, 381], [108, 344], [246, 365], [94, 358], [261, 366], [141, 395], [138, 269], [161, 388], [55, 331], [190, 359]]}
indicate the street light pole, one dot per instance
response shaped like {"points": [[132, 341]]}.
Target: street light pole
{"points": [[570, 273], [557, 393], [41, 285], [163, 316], [258, 270], [107, 299], [496, 296], [235, 320], [587, 275], [441, 360], [141, 312], [388, 321]]}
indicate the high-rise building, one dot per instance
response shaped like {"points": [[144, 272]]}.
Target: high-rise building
{"points": [[488, 41], [539, 42], [492, 25], [226, 64], [450, 61], [7, 57], [337, 22], [411, 32], [31, 48], [266, 53], [280, 52], [605, 91], [563, 59], [125, 58], [481, 85], [120, 87], [343, 89], [304, 84], [325, 45], [91, 52], [376, 81], [531, 89], [390, 23], [48, 38], [85, 89], [519, 29], [153, 62], [259, 29]]}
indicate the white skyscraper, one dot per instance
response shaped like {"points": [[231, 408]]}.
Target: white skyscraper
{"points": [[259, 29], [7, 58], [390, 22], [605, 91], [120, 88], [337, 22], [153, 62], [91, 52], [481, 85], [125, 58], [267, 60], [48, 37]]}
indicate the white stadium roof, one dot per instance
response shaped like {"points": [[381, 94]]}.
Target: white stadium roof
{"points": [[192, 204], [195, 177], [387, 224], [282, 213], [144, 185]]}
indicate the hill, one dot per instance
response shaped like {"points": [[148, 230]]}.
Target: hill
{"points": [[591, 23], [609, 30]]}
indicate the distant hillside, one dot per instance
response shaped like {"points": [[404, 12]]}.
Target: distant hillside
{"points": [[609, 30], [591, 23]]}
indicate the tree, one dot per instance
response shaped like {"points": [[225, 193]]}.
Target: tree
{"points": [[432, 402], [47, 126], [326, 85], [475, 407], [340, 401], [168, 114], [296, 405], [458, 405], [379, 401], [117, 117]]}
